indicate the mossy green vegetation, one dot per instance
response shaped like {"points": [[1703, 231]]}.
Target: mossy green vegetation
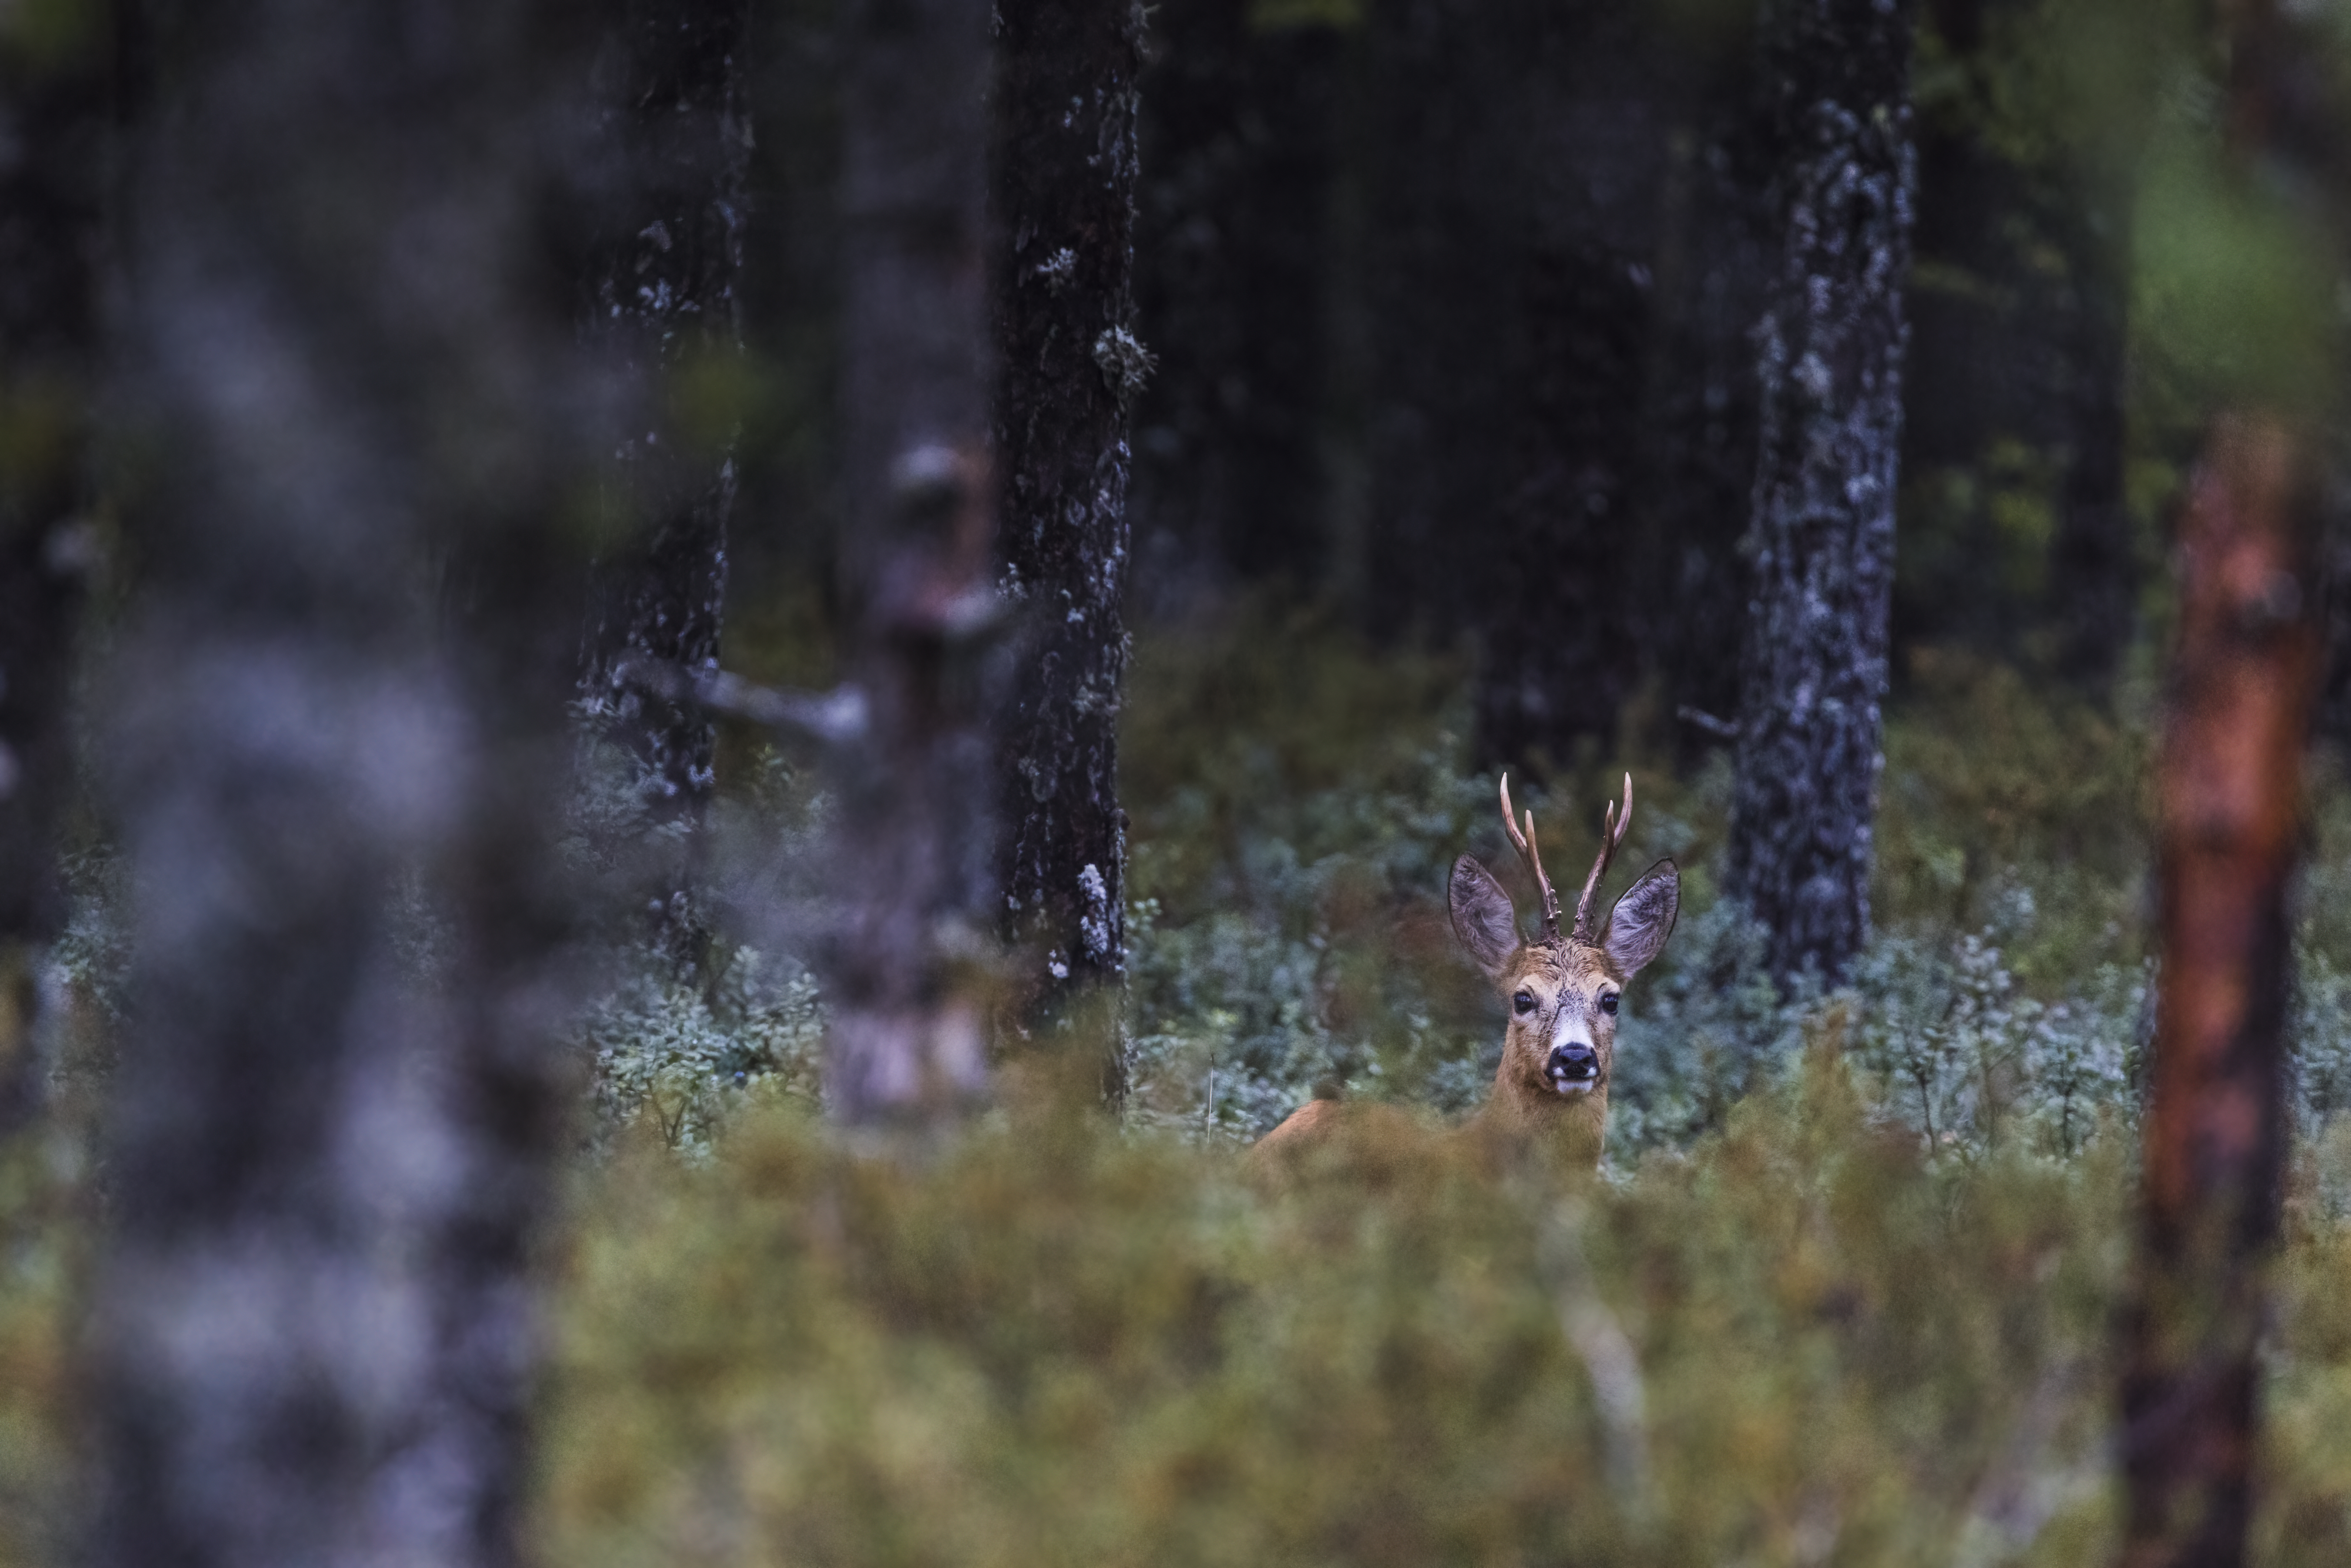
{"points": [[1808, 1339]]}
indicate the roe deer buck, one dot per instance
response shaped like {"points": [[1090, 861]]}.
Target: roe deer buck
{"points": [[1563, 991]]}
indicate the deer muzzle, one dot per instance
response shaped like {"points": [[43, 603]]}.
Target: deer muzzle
{"points": [[1574, 1068]]}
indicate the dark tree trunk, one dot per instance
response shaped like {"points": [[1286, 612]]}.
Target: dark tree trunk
{"points": [[1821, 529], [1069, 367], [2243, 676], [351, 350], [54, 116], [915, 848], [1239, 153], [664, 301]]}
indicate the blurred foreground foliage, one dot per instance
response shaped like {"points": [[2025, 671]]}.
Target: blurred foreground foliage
{"points": [[1807, 1340], [1842, 1294]]}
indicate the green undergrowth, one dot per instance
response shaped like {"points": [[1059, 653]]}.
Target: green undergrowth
{"points": [[1807, 1339]]}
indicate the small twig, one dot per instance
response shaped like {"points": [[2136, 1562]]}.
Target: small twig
{"points": [[835, 716], [1698, 718]]}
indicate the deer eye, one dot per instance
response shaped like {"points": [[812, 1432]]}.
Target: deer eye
{"points": [[1525, 1002], [1608, 1003]]}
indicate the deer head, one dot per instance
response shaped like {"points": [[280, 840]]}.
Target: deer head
{"points": [[1561, 988]]}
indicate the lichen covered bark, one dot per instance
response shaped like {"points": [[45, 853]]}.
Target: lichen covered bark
{"points": [[1069, 367], [1822, 530], [663, 302]]}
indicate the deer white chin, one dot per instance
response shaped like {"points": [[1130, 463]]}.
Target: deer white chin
{"points": [[1574, 1086]]}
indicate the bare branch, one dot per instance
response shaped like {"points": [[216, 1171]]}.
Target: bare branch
{"points": [[835, 717], [1698, 718]]}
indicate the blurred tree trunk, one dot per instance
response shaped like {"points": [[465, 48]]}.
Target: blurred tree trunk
{"points": [[2246, 670], [1237, 132], [914, 847], [664, 279], [1070, 367], [2243, 676], [1821, 529], [348, 345], [54, 107]]}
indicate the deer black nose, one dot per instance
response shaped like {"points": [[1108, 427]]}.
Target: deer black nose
{"points": [[1573, 1063]]}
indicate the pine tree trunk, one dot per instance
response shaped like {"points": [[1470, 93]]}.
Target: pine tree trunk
{"points": [[2243, 676], [663, 280], [1822, 530], [915, 848], [2246, 666], [1070, 367], [313, 1327], [54, 116]]}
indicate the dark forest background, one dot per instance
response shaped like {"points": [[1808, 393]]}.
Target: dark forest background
{"points": [[1453, 307]]}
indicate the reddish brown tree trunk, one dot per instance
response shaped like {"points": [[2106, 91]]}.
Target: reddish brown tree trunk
{"points": [[2244, 674]]}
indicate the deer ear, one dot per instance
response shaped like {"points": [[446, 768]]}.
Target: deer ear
{"points": [[1643, 919], [1483, 916]]}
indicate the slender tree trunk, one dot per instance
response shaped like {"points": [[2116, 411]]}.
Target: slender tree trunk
{"points": [[2246, 670], [663, 280], [54, 115], [347, 349], [2243, 676], [1070, 367], [915, 848], [1822, 530]]}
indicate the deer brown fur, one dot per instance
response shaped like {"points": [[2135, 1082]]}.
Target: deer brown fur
{"points": [[1561, 989]]}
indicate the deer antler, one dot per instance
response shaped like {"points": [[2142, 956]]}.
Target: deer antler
{"points": [[1613, 823], [1532, 855]]}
